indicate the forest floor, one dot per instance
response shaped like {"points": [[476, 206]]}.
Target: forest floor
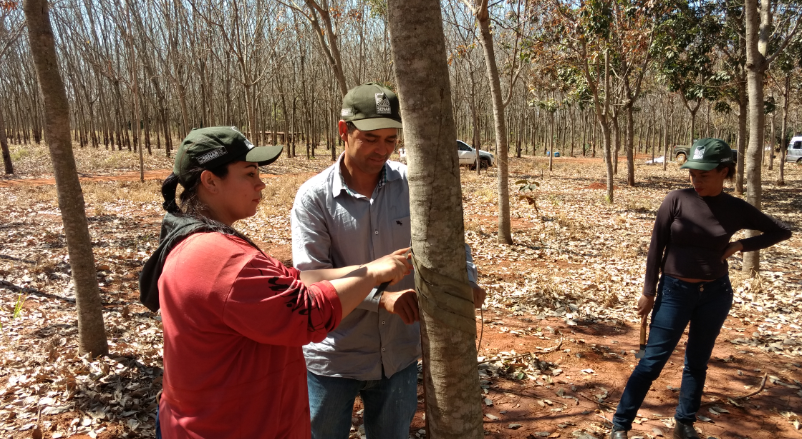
{"points": [[558, 331]]}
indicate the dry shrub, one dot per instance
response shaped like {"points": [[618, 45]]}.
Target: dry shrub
{"points": [[39, 194], [114, 191], [279, 192], [34, 159]]}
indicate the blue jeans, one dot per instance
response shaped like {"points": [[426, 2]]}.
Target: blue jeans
{"points": [[390, 404], [705, 305], [158, 427]]}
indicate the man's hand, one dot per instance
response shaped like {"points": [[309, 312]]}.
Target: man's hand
{"points": [[645, 305], [391, 268], [402, 303], [731, 249], [479, 295]]}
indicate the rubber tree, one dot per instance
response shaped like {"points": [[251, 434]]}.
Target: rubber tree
{"points": [[684, 53], [10, 30], [502, 147], [448, 329], [91, 331], [786, 66], [759, 33]]}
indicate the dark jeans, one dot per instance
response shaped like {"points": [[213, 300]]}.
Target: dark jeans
{"points": [[158, 427], [705, 305], [390, 404]]}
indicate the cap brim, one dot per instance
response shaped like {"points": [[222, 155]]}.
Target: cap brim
{"points": [[376, 123], [702, 166], [264, 155]]}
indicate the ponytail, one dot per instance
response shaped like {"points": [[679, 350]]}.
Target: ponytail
{"points": [[168, 192]]}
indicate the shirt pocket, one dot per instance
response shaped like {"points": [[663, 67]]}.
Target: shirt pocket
{"points": [[402, 233]]}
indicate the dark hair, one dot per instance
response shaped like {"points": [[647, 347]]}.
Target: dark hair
{"points": [[350, 127], [730, 167], [192, 206]]}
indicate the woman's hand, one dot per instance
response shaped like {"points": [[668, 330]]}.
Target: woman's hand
{"points": [[645, 305], [391, 268], [731, 249]]}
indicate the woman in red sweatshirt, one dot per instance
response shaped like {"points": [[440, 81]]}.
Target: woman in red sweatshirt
{"points": [[235, 318]]}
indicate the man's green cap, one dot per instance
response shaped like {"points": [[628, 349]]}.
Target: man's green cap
{"points": [[707, 154], [211, 147], [371, 107]]}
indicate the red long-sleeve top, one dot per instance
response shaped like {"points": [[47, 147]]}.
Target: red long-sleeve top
{"points": [[234, 323]]}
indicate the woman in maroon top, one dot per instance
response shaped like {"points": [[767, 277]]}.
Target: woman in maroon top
{"points": [[688, 252], [235, 318]]}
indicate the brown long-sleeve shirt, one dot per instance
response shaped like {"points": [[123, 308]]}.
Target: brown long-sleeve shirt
{"points": [[691, 232]]}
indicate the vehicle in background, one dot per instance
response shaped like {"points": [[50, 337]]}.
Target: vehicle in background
{"points": [[467, 156], [681, 154], [794, 153]]}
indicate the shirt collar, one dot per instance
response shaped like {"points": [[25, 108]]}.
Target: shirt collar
{"points": [[339, 185]]}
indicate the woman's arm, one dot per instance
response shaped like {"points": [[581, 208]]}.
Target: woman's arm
{"points": [[354, 283], [661, 234], [773, 230]]}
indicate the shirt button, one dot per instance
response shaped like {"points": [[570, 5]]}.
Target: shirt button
{"points": [[382, 349], [382, 322], [376, 232]]}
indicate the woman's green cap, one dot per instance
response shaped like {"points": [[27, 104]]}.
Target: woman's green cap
{"points": [[371, 107], [211, 147], [707, 154]]}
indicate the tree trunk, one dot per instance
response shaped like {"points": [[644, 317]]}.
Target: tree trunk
{"points": [[91, 332], [504, 232], [630, 140], [784, 132], [742, 109], [453, 404], [772, 140], [756, 39], [9, 167]]}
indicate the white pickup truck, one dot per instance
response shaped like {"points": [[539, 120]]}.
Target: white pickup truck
{"points": [[467, 156], [794, 153]]}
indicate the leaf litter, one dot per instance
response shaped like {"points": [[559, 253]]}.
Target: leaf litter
{"points": [[559, 319]]}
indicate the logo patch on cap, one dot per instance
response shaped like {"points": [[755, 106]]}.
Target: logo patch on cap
{"points": [[382, 104], [347, 112], [211, 155], [699, 153]]}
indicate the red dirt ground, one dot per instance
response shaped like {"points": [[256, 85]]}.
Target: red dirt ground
{"points": [[587, 347]]}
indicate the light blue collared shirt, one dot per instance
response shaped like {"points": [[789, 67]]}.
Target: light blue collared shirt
{"points": [[332, 227]]}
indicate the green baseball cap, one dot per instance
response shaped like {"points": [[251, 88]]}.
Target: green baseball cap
{"points": [[371, 107], [707, 154], [216, 146]]}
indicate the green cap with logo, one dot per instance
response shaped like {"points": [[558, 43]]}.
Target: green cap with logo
{"points": [[371, 107], [211, 147], [707, 154]]}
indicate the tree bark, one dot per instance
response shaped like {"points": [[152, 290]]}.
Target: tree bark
{"points": [[629, 146], [784, 132], [757, 22], [742, 113], [453, 404], [504, 232], [91, 331], [9, 167]]}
